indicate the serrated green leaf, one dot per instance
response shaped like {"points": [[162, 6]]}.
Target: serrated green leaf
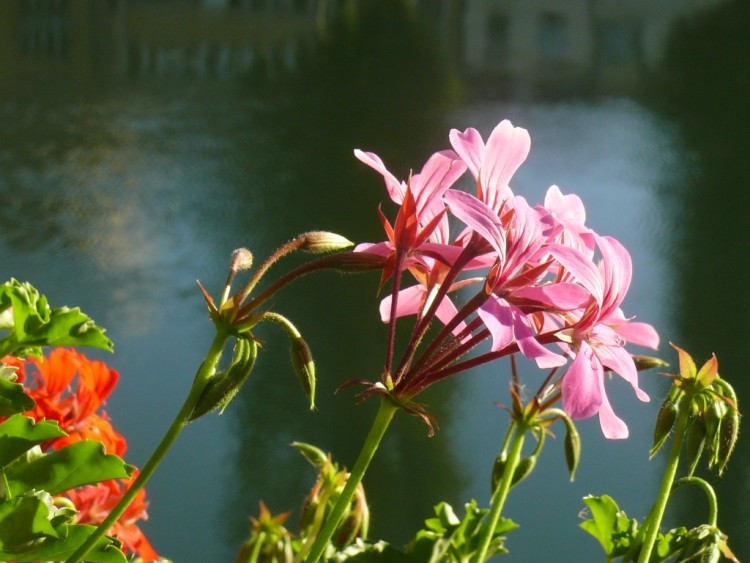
{"points": [[19, 433], [603, 520], [22, 520], [13, 399], [51, 549], [78, 464], [35, 324]]}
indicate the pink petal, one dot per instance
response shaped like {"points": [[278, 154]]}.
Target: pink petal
{"points": [[562, 296], [479, 217], [581, 385], [379, 248], [439, 173], [641, 334], [470, 148], [581, 267], [409, 302], [395, 188], [621, 362], [612, 426], [446, 311], [567, 208], [507, 148], [497, 317], [617, 270]]}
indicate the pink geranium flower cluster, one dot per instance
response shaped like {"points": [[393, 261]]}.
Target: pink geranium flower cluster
{"points": [[545, 285]]}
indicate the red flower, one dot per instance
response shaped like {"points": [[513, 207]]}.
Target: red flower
{"points": [[74, 405], [94, 503], [50, 384]]}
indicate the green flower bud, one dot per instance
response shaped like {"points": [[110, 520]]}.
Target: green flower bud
{"points": [[523, 469], [304, 368], [648, 362], [728, 432], [713, 416], [315, 456], [319, 242], [664, 423], [572, 445], [223, 387]]}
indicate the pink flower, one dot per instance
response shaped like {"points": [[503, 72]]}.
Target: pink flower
{"points": [[599, 336], [493, 164]]}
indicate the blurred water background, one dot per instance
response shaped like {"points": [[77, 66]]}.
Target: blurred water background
{"points": [[141, 142]]}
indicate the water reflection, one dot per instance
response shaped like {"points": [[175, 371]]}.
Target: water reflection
{"points": [[134, 156], [712, 305]]}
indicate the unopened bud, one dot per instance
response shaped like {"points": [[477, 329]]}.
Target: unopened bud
{"points": [[315, 456], [648, 362], [223, 387], [523, 469], [664, 423], [728, 431], [319, 242], [304, 367], [572, 445], [712, 417], [242, 259]]}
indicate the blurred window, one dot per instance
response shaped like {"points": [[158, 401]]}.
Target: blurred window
{"points": [[619, 40], [498, 44], [552, 36]]}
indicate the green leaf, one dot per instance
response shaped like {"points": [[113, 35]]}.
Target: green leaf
{"points": [[35, 324], [13, 399], [22, 520], [105, 550], [19, 433], [78, 464], [609, 525]]}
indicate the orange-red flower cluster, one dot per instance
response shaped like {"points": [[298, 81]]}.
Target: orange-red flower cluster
{"points": [[74, 405]]}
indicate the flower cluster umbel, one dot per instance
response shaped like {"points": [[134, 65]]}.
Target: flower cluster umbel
{"points": [[544, 284], [75, 406]]}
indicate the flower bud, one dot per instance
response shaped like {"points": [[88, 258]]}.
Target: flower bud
{"points": [[572, 445], [728, 431], [242, 259], [304, 368], [223, 387], [648, 362], [664, 423], [523, 469], [319, 242], [712, 417], [315, 456]]}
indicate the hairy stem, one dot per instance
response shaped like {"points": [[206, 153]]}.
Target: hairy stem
{"points": [[205, 371], [653, 522], [500, 494], [377, 431]]}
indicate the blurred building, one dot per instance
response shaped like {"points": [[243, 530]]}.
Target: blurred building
{"points": [[598, 45], [515, 47]]}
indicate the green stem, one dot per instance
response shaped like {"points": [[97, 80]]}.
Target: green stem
{"points": [[501, 493], [377, 431], [653, 521], [708, 490], [205, 371]]}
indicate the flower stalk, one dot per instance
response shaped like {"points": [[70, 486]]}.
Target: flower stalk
{"points": [[382, 420], [500, 494], [653, 521], [202, 377]]}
